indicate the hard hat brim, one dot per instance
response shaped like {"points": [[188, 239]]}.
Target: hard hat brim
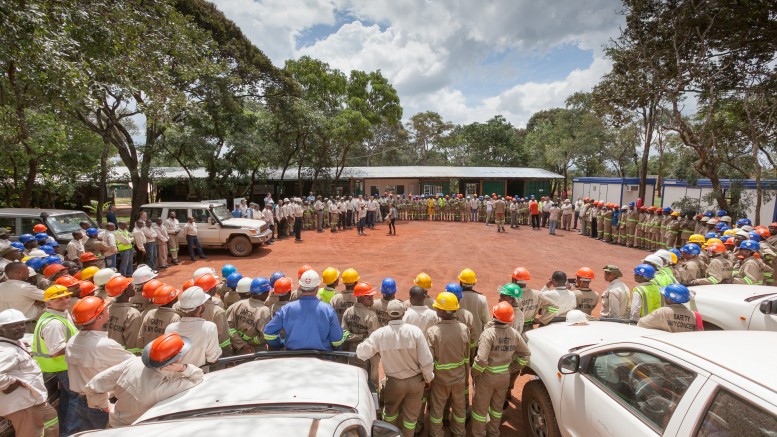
{"points": [[148, 362]]}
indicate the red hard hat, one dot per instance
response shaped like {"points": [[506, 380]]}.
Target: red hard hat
{"points": [[87, 288], [165, 350], [521, 274], [51, 269], [116, 285], [302, 270], [187, 284], [364, 289], [66, 281], [88, 256], [165, 294], [87, 309], [150, 287], [762, 232], [282, 285], [504, 312], [206, 282], [37, 229], [585, 272]]}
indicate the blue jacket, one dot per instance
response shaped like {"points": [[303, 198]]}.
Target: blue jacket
{"points": [[309, 324], [615, 216]]}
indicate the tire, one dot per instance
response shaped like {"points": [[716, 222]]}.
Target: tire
{"points": [[539, 418], [240, 245]]}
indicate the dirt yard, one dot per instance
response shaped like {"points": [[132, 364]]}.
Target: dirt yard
{"points": [[441, 249]]}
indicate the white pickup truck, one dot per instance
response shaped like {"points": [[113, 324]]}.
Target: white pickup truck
{"points": [[735, 306], [614, 379]]}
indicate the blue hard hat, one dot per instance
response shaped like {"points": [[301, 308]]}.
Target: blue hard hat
{"points": [[677, 293], [724, 229], [725, 238], [53, 259], [233, 279], [632, 204], [720, 226], [36, 263], [26, 238], [691, 248], [18, 245], [227, 270], [667, 210], [744, 222], [709, 235], [675, 251], [455, 288], [53, 243], [260, 285], [92, 232], [275, 276], [754, 236], [645, 270], [47, 249], [750, 245], [41, 236], [722, 212], [708, 214], [388, 286]]}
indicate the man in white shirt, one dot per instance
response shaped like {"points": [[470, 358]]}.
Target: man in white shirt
{"points": [[109, 239], [489, 210], [333, 213], [372, 207], [318, 206], [173, 227], [564, 299], [150, 234], [419, 314], [162, 237], [298, 212], [203, 334], [270, 220], [140, 240], [268, 200], [22, 391], [19, 294], [75, 248], [578, 205], [615, 299], [192, 241]]}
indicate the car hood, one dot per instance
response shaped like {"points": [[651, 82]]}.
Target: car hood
{"points": [[732, 292], [243, 222], [565, 338]]}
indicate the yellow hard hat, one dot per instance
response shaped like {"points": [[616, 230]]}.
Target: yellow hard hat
{"points": [[423, 280], [89, 272], [330, 275], [55, 292], [350, 276], [446, 301], [468, 277], [729, 232], [696, 238]]}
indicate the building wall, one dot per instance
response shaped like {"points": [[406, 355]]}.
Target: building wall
{"points": [[410, 186], [609, 193], [612, 190], [674, 193]]}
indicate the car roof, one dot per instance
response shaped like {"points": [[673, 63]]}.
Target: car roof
{"points": [[35, 212], [733, 291], [238, 425], [279, 380], [179, 205], [566, 337], [750, 354]]}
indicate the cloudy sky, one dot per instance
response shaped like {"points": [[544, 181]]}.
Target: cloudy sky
{"points": [[466, 59]]}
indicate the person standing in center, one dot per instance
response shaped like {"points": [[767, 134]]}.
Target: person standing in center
{"points": [[554, 214], [162, 238], [124, 243], [534, 210], [190, 230], [407, 363], [499, 214], [173, 228]]}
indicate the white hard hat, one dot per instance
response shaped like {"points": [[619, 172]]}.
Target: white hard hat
{"points": [[654, 259], [104, 275], [747, 228], [577, 317], [203, 271], [192, 298], [37, 253], [142, 275], [726, 219], [244, 285], [665, 255], [309, 280], [11, 315], [625, 206]]}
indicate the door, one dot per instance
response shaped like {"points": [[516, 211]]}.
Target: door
{"points": [[207, 227], [626, 392], [762, 322]]}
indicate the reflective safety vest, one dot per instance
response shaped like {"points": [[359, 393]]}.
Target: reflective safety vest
{"points": [[651, 298], [664, 277], [326, 295], [40, 352], [128, 236]]}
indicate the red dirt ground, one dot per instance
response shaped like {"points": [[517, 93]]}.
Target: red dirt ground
{"points": [[441, 249]]}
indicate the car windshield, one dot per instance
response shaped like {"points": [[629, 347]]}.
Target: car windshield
{"points": [[64, 224], [221, 212]]}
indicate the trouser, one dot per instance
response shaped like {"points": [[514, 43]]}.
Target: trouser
{"points": [[161, 256], [577, 217], [488, 402], [193, 242], [489, 217], [349, 218], [514, 375], [608, 232], [110, 261], [402, 403], [441, 393], [360, 225], [36, 420], [370, 219], [333, 221], [298, 228], [91, 418], [392, 228], [151, 254], [583, 227], [535, 221], [553, 224], [594, 230], [68, 406], [473, 214], [172, 247], [630, 229], [341, 221], [566, 222], [545, 218], [125, 263], [320, 220]]}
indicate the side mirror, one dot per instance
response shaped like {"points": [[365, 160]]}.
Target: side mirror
{"points": [[569, 363], [768, 307], [384, 429]]}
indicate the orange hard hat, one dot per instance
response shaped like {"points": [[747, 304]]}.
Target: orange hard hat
{"points": [[87, 288], [150, 287], [760, 227], [521, 274], [187, 284], [651, 208], [66, 281], [88, 256], [51, 269], [206, 282], [165, 294], [302, 270], [40, 227], [762, 232], [729, 242], [585, 272], [166, 349], [364, 289], [586, 199], [116, 285], [282, 285], [504, 312], [77, 275], [716, 248], [87, 309]]}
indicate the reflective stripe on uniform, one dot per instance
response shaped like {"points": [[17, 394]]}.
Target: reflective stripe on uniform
{"points": [[493, 369], [478, 417], [346, 334], [388, 418], [435, 420], [269, 337], [408, 425], [225, 343], [494, 414], [459, 419], [449, 366], [51, 423]]}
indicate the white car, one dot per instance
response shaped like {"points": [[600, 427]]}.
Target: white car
{"points": [[735, 306], [295, 396], [612, 379]]}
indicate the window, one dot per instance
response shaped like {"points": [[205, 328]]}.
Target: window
{"points": [[9, 224], [730, 415], [200, 215], [152, 213], [400, 189], [180, 214], [647, 385], [391, 189], [432, 189], [28, 223], [374, 191], [471, 190], [65, 224]]}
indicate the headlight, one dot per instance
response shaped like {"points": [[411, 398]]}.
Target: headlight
{"points": [[253, 231]]}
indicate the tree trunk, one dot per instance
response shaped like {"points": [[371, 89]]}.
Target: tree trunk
{"points": [[648, 123], [102, 190], [758, 189], [29, 183]]}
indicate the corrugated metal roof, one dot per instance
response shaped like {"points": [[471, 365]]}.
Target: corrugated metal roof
{"points": [[401, 172]]}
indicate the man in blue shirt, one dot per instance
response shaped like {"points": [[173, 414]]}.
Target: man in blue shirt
{"points": [[308, 322]]}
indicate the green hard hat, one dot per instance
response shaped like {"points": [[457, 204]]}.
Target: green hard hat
{"points": [[512, 290]]}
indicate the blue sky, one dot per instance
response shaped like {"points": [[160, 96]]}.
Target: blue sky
{"points": [[469, 61]]}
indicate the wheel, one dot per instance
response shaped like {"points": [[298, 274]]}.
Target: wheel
{"points": [[240, 246], [537, 409]]}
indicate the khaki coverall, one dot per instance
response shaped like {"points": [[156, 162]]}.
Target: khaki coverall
{"points": [[449, 344]]}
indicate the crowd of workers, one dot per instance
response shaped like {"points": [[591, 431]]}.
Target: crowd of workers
{"points": [[102, 334]]}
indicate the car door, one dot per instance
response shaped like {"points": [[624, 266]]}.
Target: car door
{"points": [[762, 322], [207, 228], [626, 391]]}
